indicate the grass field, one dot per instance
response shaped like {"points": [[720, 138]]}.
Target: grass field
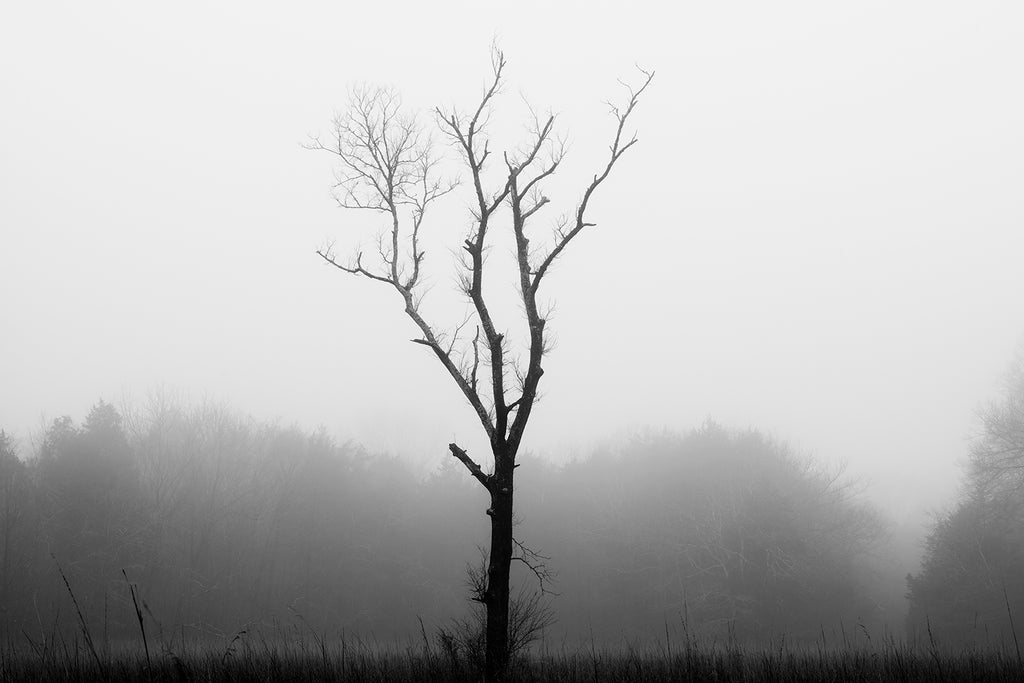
{"points": [[314, 659]]}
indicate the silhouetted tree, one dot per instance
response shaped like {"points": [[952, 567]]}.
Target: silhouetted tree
{"points": [[387, 166]]}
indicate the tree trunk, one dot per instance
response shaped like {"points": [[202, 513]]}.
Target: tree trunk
{"points": [[496, 597]]}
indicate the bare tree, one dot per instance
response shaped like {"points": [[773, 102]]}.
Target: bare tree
{"points": [[997, 457], [387, 165]]}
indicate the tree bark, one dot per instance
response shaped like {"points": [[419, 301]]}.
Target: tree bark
{"points": [[496, 597]]}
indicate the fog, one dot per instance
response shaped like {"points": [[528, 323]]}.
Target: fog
{"points": [[818, 235]]}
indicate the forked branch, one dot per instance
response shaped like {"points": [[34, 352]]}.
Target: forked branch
{"points": [[530, 277], [387, 165], [616, 149], [536, 563]]}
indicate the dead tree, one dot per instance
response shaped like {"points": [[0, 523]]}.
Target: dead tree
{"points": [[386, 165]]}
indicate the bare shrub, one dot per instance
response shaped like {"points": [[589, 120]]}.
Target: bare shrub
{"points": [[464, 641]]}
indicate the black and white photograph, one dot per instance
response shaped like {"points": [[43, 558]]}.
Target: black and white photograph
{"points": [[532, 341]]}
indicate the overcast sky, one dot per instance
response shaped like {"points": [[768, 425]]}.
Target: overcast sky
{"points": [[819, 234]]}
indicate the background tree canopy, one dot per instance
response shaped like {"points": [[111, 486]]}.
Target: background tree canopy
{"points": [[971, 583], [227, 524]]}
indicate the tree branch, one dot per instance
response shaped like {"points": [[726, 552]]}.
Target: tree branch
{"points": [[356, 269], [535, 562], [617, 149], [386, 165], [466, 135], [529, 280], [473, 468]]}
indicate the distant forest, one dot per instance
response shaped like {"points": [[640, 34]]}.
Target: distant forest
{"points": [[225, 524], [971, 584]]}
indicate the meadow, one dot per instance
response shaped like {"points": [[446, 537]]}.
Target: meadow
{"points": [[302, 655]]}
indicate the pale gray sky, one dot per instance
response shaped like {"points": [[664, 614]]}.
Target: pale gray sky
{"points": [[819, 235]]}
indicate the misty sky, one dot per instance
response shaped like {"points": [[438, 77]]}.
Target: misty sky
{"points": [[819, 234]]}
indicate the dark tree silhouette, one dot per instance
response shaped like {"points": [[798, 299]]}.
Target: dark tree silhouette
{"points": [[387, 166]]}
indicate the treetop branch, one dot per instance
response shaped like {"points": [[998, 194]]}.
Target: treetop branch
{"points": [[617, 149]]}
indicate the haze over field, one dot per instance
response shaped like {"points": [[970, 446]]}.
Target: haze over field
{"points": [[818, 235]]}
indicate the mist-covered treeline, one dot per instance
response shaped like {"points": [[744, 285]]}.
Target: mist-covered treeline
{"points": [[224, 524], [971, 583], [732, 530]]}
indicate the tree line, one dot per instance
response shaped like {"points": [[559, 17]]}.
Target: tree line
{"points": [[225, 525], [970, 588]]}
